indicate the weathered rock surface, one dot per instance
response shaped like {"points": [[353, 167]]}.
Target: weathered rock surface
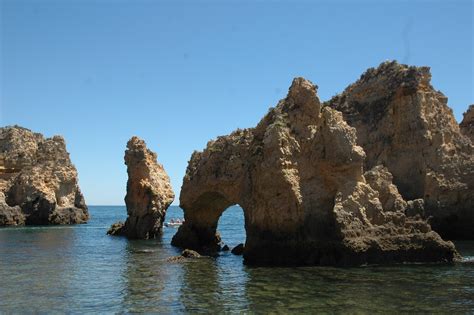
{"points": [[149, 193], [405, 125], [298, 175], [10, 215], [116, 228], [38, 182], [467, 124], [380, 179]]}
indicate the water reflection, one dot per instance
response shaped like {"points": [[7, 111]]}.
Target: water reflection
{"points": [[215, 284], [80, 269], [148, 280], [426, 288], [33, 253], [200, 287]]}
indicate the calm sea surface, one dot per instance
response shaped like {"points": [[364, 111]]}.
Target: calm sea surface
{"points": [[81, 269]]}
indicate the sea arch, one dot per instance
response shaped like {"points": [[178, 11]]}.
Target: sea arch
{"points": [[298, 175], [201, 220]]}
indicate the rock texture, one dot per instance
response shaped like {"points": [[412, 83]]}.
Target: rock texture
{"points": [[38, 183], [467, 124], [298, 175], [404, 124], [380, 179], [149, 193], [10, 215]]}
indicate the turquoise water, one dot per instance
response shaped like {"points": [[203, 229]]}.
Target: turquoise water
{"points": [[80, 269]]}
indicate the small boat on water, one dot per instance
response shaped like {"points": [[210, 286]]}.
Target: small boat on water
{"points": [[174, 223]]}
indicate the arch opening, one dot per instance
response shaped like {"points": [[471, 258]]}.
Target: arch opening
{"points": [[208, 218], [231, 228]]}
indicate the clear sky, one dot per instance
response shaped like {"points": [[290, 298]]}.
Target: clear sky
{"points": [[179, 73]]}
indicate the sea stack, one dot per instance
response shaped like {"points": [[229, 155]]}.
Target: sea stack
{"points": [[404, 124], [38, 182], [149, 193], [299, 177]]}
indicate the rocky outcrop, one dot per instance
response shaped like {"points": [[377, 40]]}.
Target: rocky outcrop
{"points": [[238, 250], [404, 124], [10, 215], [298, 175], [149, 193], [38, 183], [116, 228], [467, 124], [380, 179]]}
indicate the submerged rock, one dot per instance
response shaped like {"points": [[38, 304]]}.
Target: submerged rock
{"points": [[116, 228], [38, 182], [467, 124], [185, 255], [298, 175], [149, 193], [238, 250], [404, 124]]}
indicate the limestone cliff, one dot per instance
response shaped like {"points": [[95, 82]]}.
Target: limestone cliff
{"points": [[380, 179], [38, 182], [149, 193], [404, 124], [467, 124], [298, 175]]}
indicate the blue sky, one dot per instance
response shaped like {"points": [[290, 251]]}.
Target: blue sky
{"points": [[179, 73]]}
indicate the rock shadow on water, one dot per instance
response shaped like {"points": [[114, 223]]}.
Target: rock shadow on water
{"points": [[149, 283], [399, 288], [210, 285], [34, 251]]}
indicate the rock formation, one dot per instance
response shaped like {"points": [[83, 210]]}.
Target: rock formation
{"points": [[38, 183], [149, 193], [405, 125], [10, 215], [380, 179], [298, 175], [467, 124], [238, 250]]}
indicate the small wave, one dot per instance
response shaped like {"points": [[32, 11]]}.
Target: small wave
{"points": [[143, 251], [28, 228], [50, 227], [468, 259], [95, 227]]}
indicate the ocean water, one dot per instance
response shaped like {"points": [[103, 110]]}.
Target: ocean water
{"points": [[79, 269]]}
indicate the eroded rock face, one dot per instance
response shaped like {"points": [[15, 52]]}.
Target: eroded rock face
{"points": [[38, 182], [380, 179], [467, 124], [298, 175], [10, 215], [149, 193], [407, 126]]}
